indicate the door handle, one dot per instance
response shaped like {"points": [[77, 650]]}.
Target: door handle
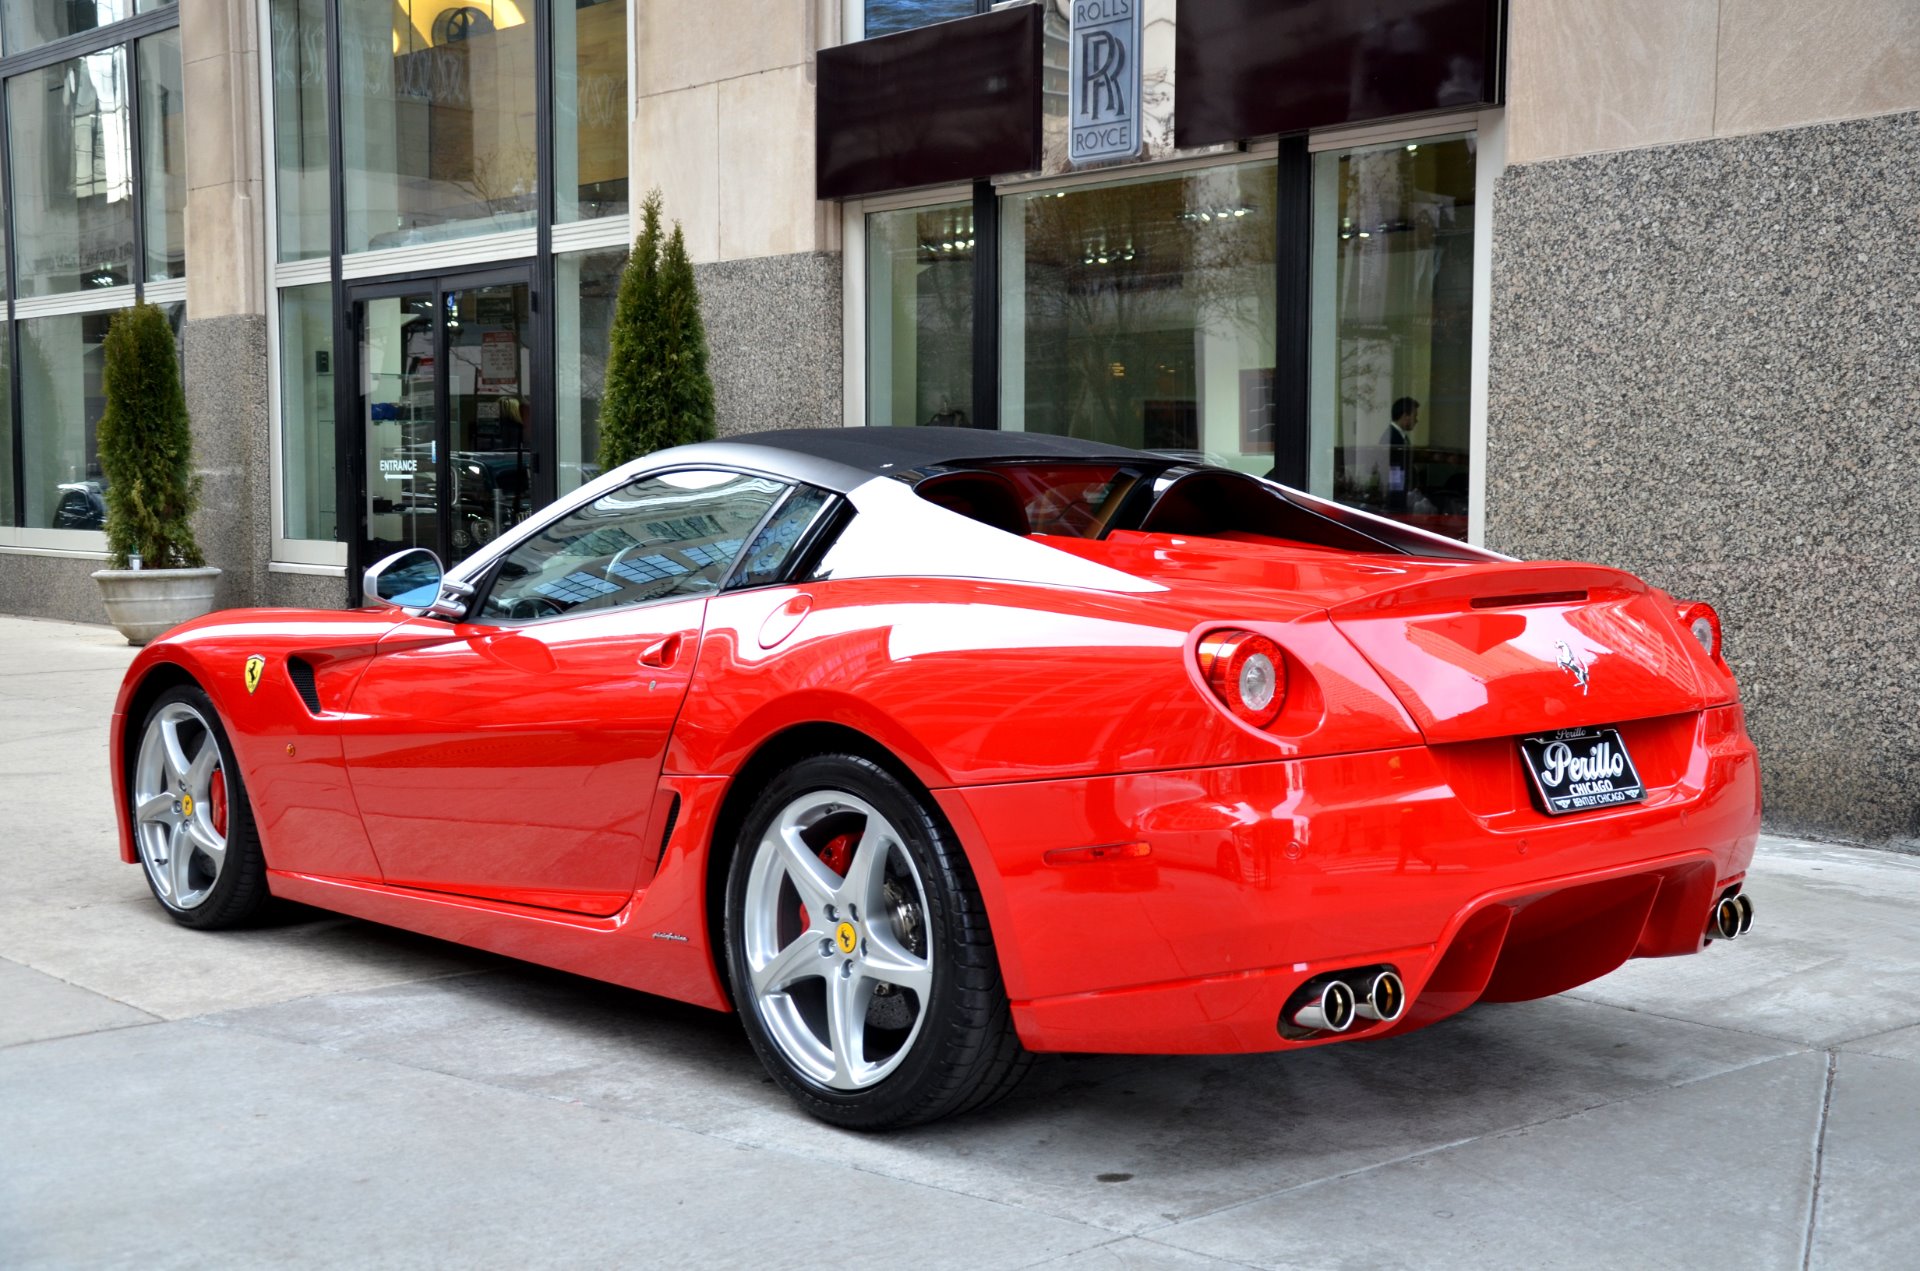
{"points": [[661, 652]]}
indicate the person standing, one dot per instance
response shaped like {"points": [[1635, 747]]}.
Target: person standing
{"points": [[1398, 439]]}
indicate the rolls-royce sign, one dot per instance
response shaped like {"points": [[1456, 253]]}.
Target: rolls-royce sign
{"points": [[1103, 80]]}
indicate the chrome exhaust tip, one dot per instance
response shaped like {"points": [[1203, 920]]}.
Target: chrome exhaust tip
{"points": [[1746, 912], [1725, 923], [1382, 997], [1330, 1010]]}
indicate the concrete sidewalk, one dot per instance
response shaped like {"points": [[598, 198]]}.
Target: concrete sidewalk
{"points": [[327, 1092]]}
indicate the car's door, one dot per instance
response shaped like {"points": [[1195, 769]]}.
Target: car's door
{"points": [[514, 756]]}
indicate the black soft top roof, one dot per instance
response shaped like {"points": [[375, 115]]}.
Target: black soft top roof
{"points": [[886, 451]]}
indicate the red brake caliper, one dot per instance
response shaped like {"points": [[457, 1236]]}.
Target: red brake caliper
{"points": [[217, 796], [837, 854]]}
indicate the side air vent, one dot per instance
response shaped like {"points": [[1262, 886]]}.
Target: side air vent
{"points": [[300, 671]]}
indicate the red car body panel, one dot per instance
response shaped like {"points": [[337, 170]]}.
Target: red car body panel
{"points": [[552, 791]]}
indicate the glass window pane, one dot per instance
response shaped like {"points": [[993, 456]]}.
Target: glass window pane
{"points": [[308, 493], [6, 427], [887, 16], [920, 316], [1142, 314], [588, 284], [590, 109], [60, 391], [671, 535], [29, 23], [1393, 329], [300, 127], [437, 119], [163, 156], [70, 127]]}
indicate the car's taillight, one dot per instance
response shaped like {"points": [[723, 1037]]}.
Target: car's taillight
{"points": [[1703, 624], [1245, 671]]}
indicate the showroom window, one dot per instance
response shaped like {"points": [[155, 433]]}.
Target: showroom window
{"points": [[70, 129], [884, 17], [586, 284], [590, 109], [1141, 313], [298, 47], [920, 315], [27, 24], [437, 120], [471, 170], [1392, 347], [95, 211]]}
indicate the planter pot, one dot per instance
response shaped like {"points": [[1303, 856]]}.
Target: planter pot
{"points": [[144, 603]]}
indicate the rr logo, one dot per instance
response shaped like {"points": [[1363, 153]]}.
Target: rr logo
{"points": [[1102, 60]]}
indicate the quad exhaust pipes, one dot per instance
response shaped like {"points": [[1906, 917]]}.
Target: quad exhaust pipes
{"points": [[1731, 918], [1382, 996], [1331, 1004]]}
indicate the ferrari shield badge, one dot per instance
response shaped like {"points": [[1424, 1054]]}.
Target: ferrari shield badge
{"points": [[846, 937], [255, 665]]}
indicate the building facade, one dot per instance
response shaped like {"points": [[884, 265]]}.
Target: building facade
{"points": [[1629, 281]]}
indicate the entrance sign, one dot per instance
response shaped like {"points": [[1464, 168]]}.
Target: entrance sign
{"points": [[1103, 80]]}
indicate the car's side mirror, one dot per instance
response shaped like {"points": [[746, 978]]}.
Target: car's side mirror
{"points": [[413, 579]]}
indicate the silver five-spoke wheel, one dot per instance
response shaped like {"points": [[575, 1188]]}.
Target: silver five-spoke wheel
{"points": [[835, 940], [180, 805]]}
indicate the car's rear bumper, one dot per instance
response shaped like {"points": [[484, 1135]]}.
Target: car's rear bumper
{"points": [[1258, 878]]}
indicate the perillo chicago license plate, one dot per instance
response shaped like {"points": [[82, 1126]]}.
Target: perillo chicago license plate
{"points": [[1580, 769]]}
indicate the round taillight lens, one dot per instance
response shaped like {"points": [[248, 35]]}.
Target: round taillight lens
{"points": [[1246, 671], [1703, 624]]}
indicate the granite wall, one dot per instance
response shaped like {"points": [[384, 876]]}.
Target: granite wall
{"points": [[774, 340], [36, 586], [224, 366], [1705, 368]]}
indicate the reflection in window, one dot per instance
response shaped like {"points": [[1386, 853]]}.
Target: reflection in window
{"points": [[299, 37], [670, 535], [887, 16], [1142, 313], [920, 316], [1393, 329], [163, 156], [6, 421], [26, 24], [587, 285], [438, 132], [590, 109], [308, 492], [70, 128], [60, 391]]}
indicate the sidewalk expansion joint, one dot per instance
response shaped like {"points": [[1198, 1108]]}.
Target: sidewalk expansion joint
{"points": [[1819, 1160]]}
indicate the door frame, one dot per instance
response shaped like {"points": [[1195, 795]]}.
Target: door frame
{"points": [[351, 430]]}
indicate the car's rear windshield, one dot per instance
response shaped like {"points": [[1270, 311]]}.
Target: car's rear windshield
{"points": [[1074, 500]]}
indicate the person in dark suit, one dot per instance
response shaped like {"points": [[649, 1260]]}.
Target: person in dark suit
{"points": [[1398, 439]]}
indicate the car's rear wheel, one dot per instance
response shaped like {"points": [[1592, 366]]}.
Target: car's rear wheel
{"points": [[859, 951], [192, 824]]}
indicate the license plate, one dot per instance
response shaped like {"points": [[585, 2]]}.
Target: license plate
{"points": [[1579, 770]]}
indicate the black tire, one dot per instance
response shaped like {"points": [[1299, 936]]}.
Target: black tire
{"points": [[239, 892], [965, 1054]]}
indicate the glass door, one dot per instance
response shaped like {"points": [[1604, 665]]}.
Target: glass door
{"points": [[451, 448]]}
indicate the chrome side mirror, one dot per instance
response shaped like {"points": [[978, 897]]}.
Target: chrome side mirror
{"points": [[409, 579]]}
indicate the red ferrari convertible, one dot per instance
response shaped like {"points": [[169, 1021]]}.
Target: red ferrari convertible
{"points": [[927, 749]]}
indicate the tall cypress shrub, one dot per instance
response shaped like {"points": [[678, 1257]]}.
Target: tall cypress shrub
{"points": [[658, 393], [146, 445], [686, 386]]}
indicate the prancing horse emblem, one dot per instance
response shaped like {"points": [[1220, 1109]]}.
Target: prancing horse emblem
{"points": [[255, 665], [1570, 663]]}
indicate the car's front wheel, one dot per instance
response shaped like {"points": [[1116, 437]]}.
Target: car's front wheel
{"points": [[860, 955], [192, 824]]}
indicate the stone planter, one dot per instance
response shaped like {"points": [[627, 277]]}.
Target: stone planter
{"points": [[144, 603]]}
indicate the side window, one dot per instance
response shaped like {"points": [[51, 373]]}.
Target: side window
{"points": [[767, 555], [676, 534]]}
